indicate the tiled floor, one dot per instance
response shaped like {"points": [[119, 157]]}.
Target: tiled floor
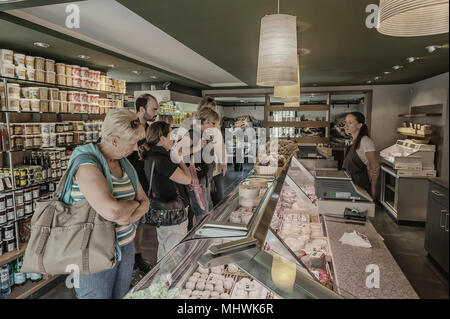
{"points": [[406, 244]]}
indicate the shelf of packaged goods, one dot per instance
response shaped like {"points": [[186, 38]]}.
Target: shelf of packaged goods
{"points": [[43, 149], [8, 257], [29, 288], [51, 85], [300, 108], [26, 112], [54, 180], [417, 135], [419, 115], [310, 124], [307, 139]]}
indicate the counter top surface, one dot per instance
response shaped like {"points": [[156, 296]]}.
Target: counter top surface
{"points": [[350, 264]]}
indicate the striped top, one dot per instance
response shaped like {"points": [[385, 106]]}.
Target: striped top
{"points": [[122, 189]]}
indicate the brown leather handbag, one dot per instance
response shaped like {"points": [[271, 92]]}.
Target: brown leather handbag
{"points": [[64, 237]]}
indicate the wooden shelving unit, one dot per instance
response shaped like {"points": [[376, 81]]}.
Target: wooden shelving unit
{"points": [[417, 135], [8, 257], [302, 124], [29, 288], [313, 124], [419, 115]]}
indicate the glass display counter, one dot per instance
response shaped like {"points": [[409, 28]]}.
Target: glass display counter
{"points": [[238, 251]]}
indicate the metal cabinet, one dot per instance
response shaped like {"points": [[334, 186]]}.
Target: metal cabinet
{"points": [[436, 232]]}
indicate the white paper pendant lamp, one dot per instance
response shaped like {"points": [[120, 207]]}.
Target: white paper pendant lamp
{"points": [[291, 93], [410, 18], [277, 58]]}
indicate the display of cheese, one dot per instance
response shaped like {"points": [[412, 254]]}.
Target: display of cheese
{"points": [[242, 215]]}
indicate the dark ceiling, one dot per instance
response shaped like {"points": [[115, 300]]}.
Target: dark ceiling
{"points": [[343, 50], [19, 35]]}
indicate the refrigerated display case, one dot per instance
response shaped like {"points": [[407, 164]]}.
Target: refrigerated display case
{"points": [[220, 258]]}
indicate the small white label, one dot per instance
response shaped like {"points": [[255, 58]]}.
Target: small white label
{"points": [[9, 234], [11, 247], [343, 195], [3, 219]]}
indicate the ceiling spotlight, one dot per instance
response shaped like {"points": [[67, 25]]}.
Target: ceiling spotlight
{"points": [[153, 76], [136, 72], [397, 67], [314, 84], [41, 44], [242, 101], [411, 59], [84, 57], [432, 48], [386, 72], [368, 82], [376, 78], [112, 66]]}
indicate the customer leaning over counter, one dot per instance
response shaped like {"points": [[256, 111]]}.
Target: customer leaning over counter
{"points": [[361, 161]]}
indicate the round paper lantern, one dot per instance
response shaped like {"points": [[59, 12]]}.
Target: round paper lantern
{"points": [[277, 58], [411, 18]]}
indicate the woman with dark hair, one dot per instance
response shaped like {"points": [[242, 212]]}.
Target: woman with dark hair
{"points": [[166, 174], [361, 160]]}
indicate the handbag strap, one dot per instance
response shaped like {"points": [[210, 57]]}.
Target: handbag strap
{"points": [[62, 182], [149, 193]]}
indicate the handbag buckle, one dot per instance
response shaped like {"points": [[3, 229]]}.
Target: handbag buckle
{"points": [[89, 225]]}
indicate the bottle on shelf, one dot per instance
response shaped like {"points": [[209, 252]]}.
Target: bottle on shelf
{"points": [[20, 278], [5, 288], [4, 135]]}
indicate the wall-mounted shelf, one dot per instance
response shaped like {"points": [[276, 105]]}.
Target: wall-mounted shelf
{"points": [[419, 115], [311, 124], [8, 257], [64, 87], [417, 135], [300, 108], [29, 288]]}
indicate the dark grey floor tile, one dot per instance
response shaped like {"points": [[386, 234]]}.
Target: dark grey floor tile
{"points": [[429, 289]]}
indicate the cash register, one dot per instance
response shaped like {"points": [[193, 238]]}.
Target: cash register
{"points": [[336, 192]]}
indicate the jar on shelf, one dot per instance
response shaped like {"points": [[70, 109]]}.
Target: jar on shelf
{"points": [[50, 65], [17, 142], [79, 137], [19, 197], [31, 74], [50, 77], [68, 71], [10, 214], [61, 141], [17, 128], [62, 96], [69, 81], [28, 142], [39, 75], [29, 208], [28, 129], [54, 94], [39, 63], [35, 190], [2, 202], [19, 59], [25, 105], [52, 128], [76, 70], [59, 128], [13, 90], [64, 107], [60, 68], [9, 244], [76, 81], [28, 194], [54, 106], [9, 199], [69, 138], [35, 105], [21, 72], [29, 62], [3, 217], [14, 104], [53, 138], [44, 106], [36, 128], [20, 210], [37, 141], [45, 128]]}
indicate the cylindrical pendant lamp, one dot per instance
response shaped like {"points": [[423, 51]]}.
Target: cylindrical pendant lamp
{"points": [[291, 93], [411, 18], [277, 58]]}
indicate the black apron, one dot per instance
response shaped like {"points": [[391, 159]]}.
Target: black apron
{"points": [[356, 169]]}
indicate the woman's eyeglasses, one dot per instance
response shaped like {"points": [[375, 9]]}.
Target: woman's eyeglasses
{"points": [[134, 124]]}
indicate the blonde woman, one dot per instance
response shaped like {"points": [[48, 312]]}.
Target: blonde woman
{"points": [[107, 180]]}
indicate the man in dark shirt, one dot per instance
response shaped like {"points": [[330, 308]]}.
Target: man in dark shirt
{"points": [[147, 109]]}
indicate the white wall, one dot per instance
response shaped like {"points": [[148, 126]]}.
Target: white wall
{"points": [[429, 92]]}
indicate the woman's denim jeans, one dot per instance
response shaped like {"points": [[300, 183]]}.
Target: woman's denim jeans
{"points": [[109, 284]]}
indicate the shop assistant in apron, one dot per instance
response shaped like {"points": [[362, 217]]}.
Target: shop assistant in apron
{"points": [[356, 168]]}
